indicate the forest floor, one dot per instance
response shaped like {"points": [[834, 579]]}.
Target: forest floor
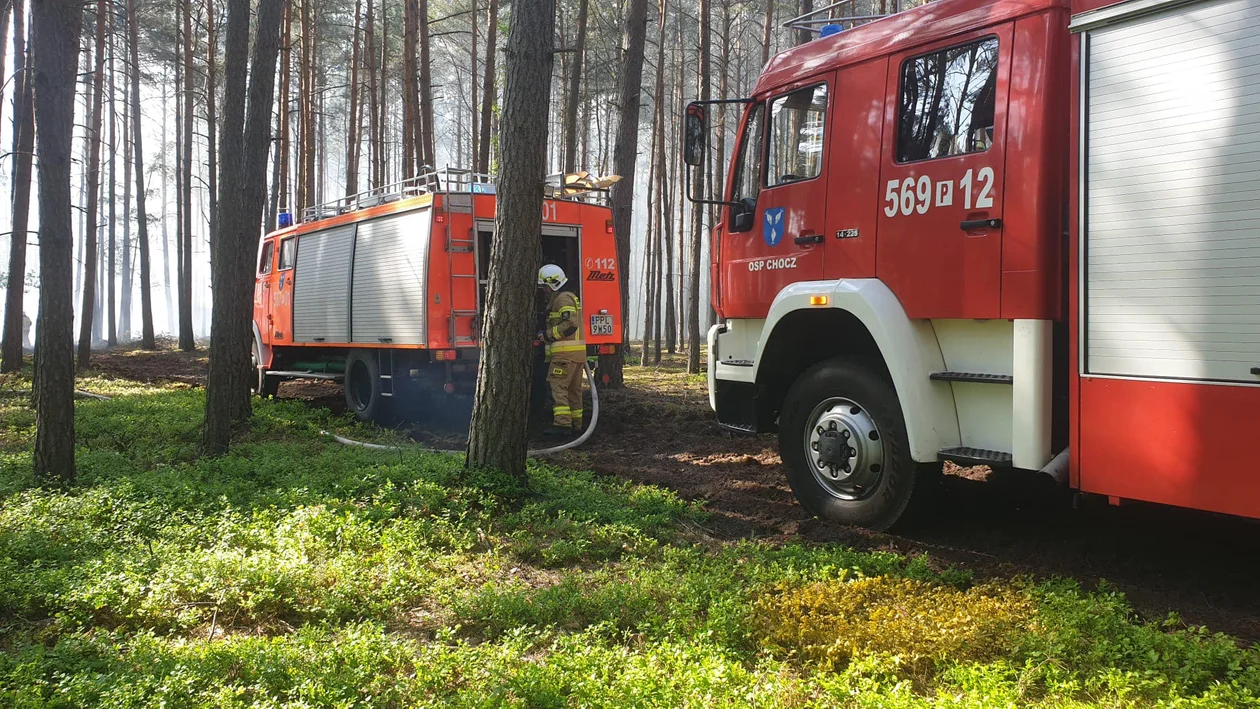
{"points": [[659, 430], [663, 565]]}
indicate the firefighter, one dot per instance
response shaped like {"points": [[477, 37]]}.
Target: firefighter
{"points": [[565, 351]]}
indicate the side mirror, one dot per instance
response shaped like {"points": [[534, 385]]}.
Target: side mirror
{"points": [[695, 135], [742, 214]]}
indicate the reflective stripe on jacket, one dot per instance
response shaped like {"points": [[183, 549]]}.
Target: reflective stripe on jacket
{"points": [[564, 328]]}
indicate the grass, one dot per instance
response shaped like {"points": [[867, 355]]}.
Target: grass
{"points": [[296, 572]]}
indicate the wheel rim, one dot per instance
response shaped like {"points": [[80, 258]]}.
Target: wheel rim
{"points": [[258, 375], [844, 449], [360, 385]]}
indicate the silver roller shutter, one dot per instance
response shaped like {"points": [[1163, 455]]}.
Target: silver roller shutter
{"points": [[390, 279], [321, 282], [1172, 230]]}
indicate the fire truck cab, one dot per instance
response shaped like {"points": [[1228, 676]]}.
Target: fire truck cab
{"points": [[1015, 233], [385, 290]]}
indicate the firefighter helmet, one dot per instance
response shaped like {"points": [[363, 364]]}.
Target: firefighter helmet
{"points": [[552, 276]]}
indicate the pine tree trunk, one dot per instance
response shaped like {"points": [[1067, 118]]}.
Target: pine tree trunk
{"points": [[280, 167], [147, 340], [244, 162], [426, 143], [212, 155], [625, 157], [497, 436], [652, 317], [574, 95], [804, 36], [90, 257], [411, 90], [488, 87], [369, 49], [187, 339], [56, 26], [23, 148], [5, 14], [474, 147], [354, 116], [698, 225], [124, 299], [166, 202], [767, 31], [112, 267]]}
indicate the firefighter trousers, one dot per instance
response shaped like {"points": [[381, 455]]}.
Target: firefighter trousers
{"points": [[565, 378]]}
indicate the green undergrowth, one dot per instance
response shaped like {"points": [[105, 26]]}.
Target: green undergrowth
{"points": [[297, 572]]}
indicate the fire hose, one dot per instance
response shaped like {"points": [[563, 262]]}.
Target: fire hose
{"points": [[590, 379]]}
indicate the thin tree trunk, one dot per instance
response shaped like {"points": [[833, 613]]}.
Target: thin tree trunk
{"points": [[166, 202], [112, 268], [23, 147], [497, 436], [280, 167], [488, 86], [187, 339], [472, 82], [411, 90], [5, 14], [804, 36], [212, 148], [94, 189], [124, 313], [698, 225], [244, 162], [147, 340], [354, 116], [56, 27], [767, 32], [369, 48], [85, 72], [575, 77], [652, 317]]}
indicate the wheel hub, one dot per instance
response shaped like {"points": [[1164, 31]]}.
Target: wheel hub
{"points": [[844, 448]]}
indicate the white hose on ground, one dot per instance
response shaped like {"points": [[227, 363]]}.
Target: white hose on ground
{"points": [[590, 379]]}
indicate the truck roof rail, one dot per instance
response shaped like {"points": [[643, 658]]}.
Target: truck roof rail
{"points": [[814, 21], [580, 187]]}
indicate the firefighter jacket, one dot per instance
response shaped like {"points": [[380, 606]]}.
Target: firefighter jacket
{"points": [[563, 333]]}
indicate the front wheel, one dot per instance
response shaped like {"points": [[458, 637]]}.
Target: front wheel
{"points": [[260, 383], [843, 441]]}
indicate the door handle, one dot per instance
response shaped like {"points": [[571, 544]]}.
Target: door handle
{"points": [[807, 239], [974, 224]]}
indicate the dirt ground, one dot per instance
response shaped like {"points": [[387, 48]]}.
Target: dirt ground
{"points": [[659, 430]]}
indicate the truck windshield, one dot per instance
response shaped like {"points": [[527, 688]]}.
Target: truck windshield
{"points": [[796, 135]]}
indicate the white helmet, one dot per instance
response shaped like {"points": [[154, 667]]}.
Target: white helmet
{"points": [[552, 276]]}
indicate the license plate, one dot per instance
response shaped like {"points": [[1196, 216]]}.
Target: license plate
{"points": [[601, 325]]}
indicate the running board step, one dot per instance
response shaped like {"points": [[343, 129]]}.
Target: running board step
{"points": [[972, 377], [963, 455]]}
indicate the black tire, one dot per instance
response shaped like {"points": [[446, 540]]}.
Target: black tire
{"points": [[859, 414], [261, 384], [364, 397]]}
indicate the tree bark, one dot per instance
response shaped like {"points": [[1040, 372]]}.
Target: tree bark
{"points": [[23, 147], [488, 87], [574, 93], [472, 83], [497, 436], [147, 340], [166, 203], [804, 36], [625, 157], [369, 48], [55, 29], [124, 299], [411, 90], [187, 338], [90, 258], [767, 33], [280, 168], [652, 315], [244, 162], [698, 226]]}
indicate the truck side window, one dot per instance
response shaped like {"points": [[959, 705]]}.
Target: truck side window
{"points": [[748, 168], [288, 248], [947, 101], [264, 261], [796, 136]]}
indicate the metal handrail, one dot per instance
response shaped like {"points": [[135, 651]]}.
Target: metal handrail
{"points": [[444, 181], [810, 22]]}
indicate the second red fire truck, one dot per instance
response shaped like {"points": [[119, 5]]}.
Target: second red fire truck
{"points": [[1017, 233]]}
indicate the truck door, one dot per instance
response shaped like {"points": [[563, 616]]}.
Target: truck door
{"points": [[262, 289], [941, 188], [787, 178], [282, 292]]}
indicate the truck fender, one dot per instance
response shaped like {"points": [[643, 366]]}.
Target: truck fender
{"points": [[909, 349], [264, 350]]}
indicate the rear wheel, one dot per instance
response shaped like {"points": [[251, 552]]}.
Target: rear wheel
{"points": [[843, 440], [364, 396]]}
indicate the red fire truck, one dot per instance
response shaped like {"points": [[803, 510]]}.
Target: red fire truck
{"points": [[385, 290], [1016, 233]]}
